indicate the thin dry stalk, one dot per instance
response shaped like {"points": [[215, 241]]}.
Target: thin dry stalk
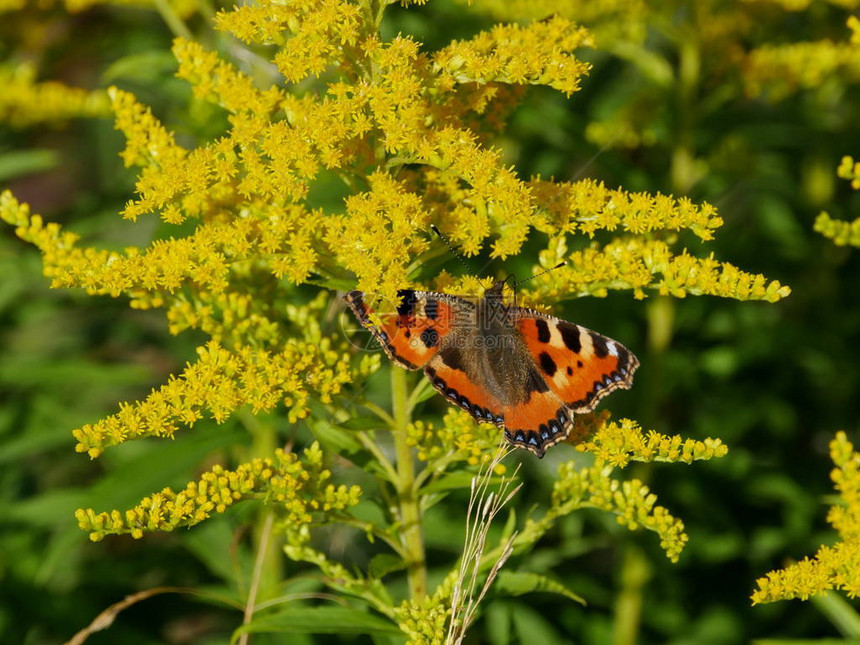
{"points": [[484, 506]]}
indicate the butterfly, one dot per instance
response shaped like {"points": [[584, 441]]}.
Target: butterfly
{"points": [[522, 370]]}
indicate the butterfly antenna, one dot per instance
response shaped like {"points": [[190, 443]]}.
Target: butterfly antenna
{"points": [[536, 275], [452, 248]]}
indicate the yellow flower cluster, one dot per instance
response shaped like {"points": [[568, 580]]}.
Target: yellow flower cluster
{"points": [[424, 621], [850, 170], [631, 501], [317, 31], [182, 8], [587, 206], [25, 102], [617, 443], [538, 53], [297, 488], [385, 217], [638, 263], [832, 567], [612, 21], [801, 5], [780, 70], [619, 131], [459, 438], [841, 232], [219, 383]]}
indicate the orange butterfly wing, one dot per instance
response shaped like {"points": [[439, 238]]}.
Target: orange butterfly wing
{"points": [[445, 371], [411, 330], [578, 365]]}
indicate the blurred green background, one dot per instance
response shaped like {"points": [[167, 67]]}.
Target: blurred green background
{"points": [[773, 381]]}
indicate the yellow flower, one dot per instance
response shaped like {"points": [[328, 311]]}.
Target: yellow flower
{"points": [[219, 383], [841, 232], [617, 443], [638, 263], [25, 102], [780, 70], [831, 567], [539, 53], [458, 439], [298, 489], [611, 21], [631, 502]]}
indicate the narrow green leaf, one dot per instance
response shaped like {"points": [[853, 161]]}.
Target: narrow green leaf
{"points": [[531, 627], [807, 641], [384, 563], [460, 479], [839, 612], [24, 162], [319, 620], [143, 66], [517, 583]]}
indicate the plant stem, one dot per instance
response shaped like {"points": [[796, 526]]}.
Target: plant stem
{"points": [[412, 534], [262, 550], [635, 573], [268, 572], [173, 21]]}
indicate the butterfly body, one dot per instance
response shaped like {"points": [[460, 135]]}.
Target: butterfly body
{"points": [[523, 370]]}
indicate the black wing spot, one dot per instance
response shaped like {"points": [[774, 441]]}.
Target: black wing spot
{"points": [[570, 336], [430, 338], [408, 300], [599, 343], [579, 363], [543, 330], [623, 358], [431, 309], [569, 370], [547, 364]]}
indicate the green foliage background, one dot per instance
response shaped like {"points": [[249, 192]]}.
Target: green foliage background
{"points": [[774, 381]]}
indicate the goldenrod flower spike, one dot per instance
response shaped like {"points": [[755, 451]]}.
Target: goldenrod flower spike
{"points": [[24, 102], [640, 264], [458, 439], [219, 383], [832, 567], [777, 71], [297, 489], [618, 443], [613, 22], [540, 53], [842, 233], [587, 206], [631, 501]]}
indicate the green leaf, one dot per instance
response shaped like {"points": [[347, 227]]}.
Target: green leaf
{"points": [[25, 162], [384, 563], [334, 438], [319, 620], [807, 641], [426, 392], [141, 67], [498, 620], [460, 479], [517, 583], [510, 525], [531, 627], [839, 612]]}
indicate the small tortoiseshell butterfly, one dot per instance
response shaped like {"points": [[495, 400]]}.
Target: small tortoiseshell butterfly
{"points": [[523, 370]]}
